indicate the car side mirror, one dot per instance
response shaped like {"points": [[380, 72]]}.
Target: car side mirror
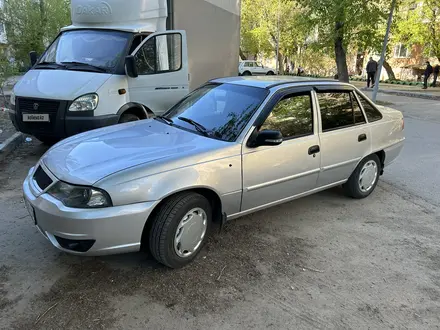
{"points": [[267, 138], [130, 66], [33, 57]]}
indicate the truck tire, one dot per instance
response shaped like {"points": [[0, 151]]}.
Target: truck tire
{"points": [[364, 178], [180, 229], [128, 117], [247, 73]]}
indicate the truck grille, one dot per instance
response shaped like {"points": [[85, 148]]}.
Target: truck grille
{"points": [[42, 179], [34, 106]]}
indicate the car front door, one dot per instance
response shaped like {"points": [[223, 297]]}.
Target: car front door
{"points": [[259, 70], [345, 137], [162, 65], [274, 174]]}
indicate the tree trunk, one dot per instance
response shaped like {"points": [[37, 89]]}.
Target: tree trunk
{"points": [[341, 56], [389, 70], [242, 56]]}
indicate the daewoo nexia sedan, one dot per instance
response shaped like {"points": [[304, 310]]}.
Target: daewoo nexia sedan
{"points": [[232, 147]]}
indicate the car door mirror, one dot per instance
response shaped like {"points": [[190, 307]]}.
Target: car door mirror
{"points": [[130, 66], [267, 138], [33, 57]]}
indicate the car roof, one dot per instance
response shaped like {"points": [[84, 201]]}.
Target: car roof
{"points": [[273, 81]]}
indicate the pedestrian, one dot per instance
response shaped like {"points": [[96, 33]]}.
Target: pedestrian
{"points": [[428, 72], [371, 72], [436, 72]]}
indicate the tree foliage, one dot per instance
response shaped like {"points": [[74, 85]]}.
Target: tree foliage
{"points": [[33, 24], [419, 23], [344, 23]]}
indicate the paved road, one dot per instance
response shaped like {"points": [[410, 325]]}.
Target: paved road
{"points": [[321, 262]]}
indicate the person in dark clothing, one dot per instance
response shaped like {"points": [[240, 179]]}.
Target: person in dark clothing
{"points": [[436, 72], [428, 72], [371, 72]]}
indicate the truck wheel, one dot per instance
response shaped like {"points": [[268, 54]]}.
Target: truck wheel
{"points": [[127, 117], [270, 73], [247, 73], [48, 140], [363, 180], [180, 229]]}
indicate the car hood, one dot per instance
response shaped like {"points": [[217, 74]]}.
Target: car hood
{"points": [[89, 157], [64, 85]]}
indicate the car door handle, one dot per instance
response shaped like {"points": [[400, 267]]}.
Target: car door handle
{"points": [[362, 137], [314, 150]]}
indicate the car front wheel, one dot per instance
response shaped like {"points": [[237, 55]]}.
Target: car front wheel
{"points": [[363, 180], [180, 229]]}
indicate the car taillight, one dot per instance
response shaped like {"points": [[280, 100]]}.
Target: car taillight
{"points": [[403, 124]]}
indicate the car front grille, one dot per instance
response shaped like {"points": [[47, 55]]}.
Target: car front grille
{"points": [[38, 106], [42, 179]]}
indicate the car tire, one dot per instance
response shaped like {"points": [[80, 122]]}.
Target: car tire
{"points": [[247, 73], [48, 140], [128, 117], [270, 73], [364, 178], [180, 229]]}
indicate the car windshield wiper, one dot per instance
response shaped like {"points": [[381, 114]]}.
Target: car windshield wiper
{"points": [[49, 65], [89, 66], [165, 120], [199, 127]]}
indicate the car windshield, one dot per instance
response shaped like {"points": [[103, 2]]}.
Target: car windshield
{"points": [[219, 111], [93, 48]]}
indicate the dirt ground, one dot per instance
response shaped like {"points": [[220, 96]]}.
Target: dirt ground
{"points": [[321, 262]]}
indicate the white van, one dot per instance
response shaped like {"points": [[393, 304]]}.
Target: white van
{"points": [[122, 61]]}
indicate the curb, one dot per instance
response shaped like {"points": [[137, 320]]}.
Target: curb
{"points": [[10, 144], [407, 94]]}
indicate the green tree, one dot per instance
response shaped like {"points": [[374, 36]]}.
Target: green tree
{"points": [[419, 23], [346, 23], [32, 25]]}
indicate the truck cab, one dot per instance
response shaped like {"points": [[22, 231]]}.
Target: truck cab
{"points": [[118, 62]]}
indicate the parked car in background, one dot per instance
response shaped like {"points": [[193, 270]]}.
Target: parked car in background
{"points": [[232, 147], [254, 68]]}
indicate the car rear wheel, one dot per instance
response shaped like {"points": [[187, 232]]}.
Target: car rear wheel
{"points": [[247, 73], [270, 73], [127, 117], [363, 180], [180, 229]]}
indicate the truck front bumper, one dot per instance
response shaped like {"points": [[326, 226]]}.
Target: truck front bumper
{"points": [[62, 123]]}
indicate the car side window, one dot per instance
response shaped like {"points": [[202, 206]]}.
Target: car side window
{"points": [[372, 113], [339, 109], [160, 54], [292, 116]]}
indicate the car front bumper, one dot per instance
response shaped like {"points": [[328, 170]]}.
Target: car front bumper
{"points": [[90, 232]]}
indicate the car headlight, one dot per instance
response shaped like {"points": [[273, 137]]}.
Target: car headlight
{"points": [[80, 197], [86, 102], [12, 98]]}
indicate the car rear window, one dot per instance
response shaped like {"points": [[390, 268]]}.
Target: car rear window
{"points": [[372, 113]]}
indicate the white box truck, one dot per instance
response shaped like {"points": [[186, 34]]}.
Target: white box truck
{"points": [[125, 60]]}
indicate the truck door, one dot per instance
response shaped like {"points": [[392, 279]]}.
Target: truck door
{"points": [[162, 65]]}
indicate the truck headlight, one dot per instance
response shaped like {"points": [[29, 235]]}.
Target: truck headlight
{"points": [[12, 98], [80, 197], [86, 102]]}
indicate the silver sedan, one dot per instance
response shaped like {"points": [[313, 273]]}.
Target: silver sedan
{"points": [[232, 147]]}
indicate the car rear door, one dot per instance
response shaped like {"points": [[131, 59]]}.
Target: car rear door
{"points": [[344, 133], [274, 174]]}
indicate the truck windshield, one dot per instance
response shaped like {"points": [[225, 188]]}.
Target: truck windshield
{"points": [[219, 111], [99, 49]]}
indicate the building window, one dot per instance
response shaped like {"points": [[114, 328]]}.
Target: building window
{"points": [[401, 51]]}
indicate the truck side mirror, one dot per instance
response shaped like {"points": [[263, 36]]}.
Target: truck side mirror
{"points": [[130, 66], [34, 57]]}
